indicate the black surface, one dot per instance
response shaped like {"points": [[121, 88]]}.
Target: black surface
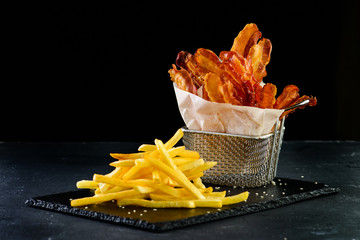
{"points": [[37, 169], [280, 192]]}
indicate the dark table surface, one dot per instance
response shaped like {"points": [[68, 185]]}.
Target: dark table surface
{"points": [[35, 169]]}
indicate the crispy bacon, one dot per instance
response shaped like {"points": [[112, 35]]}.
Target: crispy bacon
{"points": [[242, 89], [231, 94], [246, 39], [259, 57], [235, 76], [265, 96], [239, 68], [313, 102], [207, 61], [287, 98], [182, 79], [214, 88], [186, 61]]}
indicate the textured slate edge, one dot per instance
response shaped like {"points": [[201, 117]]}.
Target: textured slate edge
{"points": [[168, 225], [251, 208]]}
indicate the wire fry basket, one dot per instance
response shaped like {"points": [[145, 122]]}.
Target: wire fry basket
{"points": [[243, 161]]}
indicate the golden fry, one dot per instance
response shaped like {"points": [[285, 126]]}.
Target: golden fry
{"points": [[156, 204]]}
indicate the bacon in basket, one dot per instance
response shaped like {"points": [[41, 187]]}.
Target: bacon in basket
{"points": [[236, 76]]}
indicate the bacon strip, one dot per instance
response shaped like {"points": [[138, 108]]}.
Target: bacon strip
{"points": [[186, 61], [289, 95], [259, 57], [266, 96], [214, 88], [313, 102], [246, 39], [239, 68], [182, 79]]}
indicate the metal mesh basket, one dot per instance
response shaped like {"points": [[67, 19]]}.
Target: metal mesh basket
{"points": [[241, 160]]}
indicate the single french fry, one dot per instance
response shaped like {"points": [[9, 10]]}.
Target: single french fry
{"points": [[208, 202], [173, 152], [140, 165], [163, 188], [87, 184], [200, 169], [103, 198], [144, 189], [123, 163], [177, 175], [116, 172], [126, 155], [181, 160], [198, 183], [191, 165], [156, 176], [221, 194], [116, 189], [189, 154], [174, 139], [204, 191], [165, 156], [147, 148], [121, 182], [156, 204], [161, 197], [197, 175], [236, 198]]}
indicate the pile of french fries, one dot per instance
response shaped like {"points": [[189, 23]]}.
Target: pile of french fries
{"points": [[158, 176]]}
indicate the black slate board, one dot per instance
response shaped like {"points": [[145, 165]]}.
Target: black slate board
{"points": [[279, 193]]}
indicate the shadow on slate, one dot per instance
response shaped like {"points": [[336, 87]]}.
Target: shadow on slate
{"points": [[282, 192]]}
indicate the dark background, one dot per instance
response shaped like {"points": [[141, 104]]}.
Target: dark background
{"points": [[81, 71]]}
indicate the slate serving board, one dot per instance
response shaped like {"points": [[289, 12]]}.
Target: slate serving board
{"points": [[280, 192]]}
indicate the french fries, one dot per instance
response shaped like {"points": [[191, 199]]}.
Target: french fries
{"points": [[158, 176]]}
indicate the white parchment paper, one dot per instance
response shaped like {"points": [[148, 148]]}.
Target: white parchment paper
{"points": [[200, 114]]}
